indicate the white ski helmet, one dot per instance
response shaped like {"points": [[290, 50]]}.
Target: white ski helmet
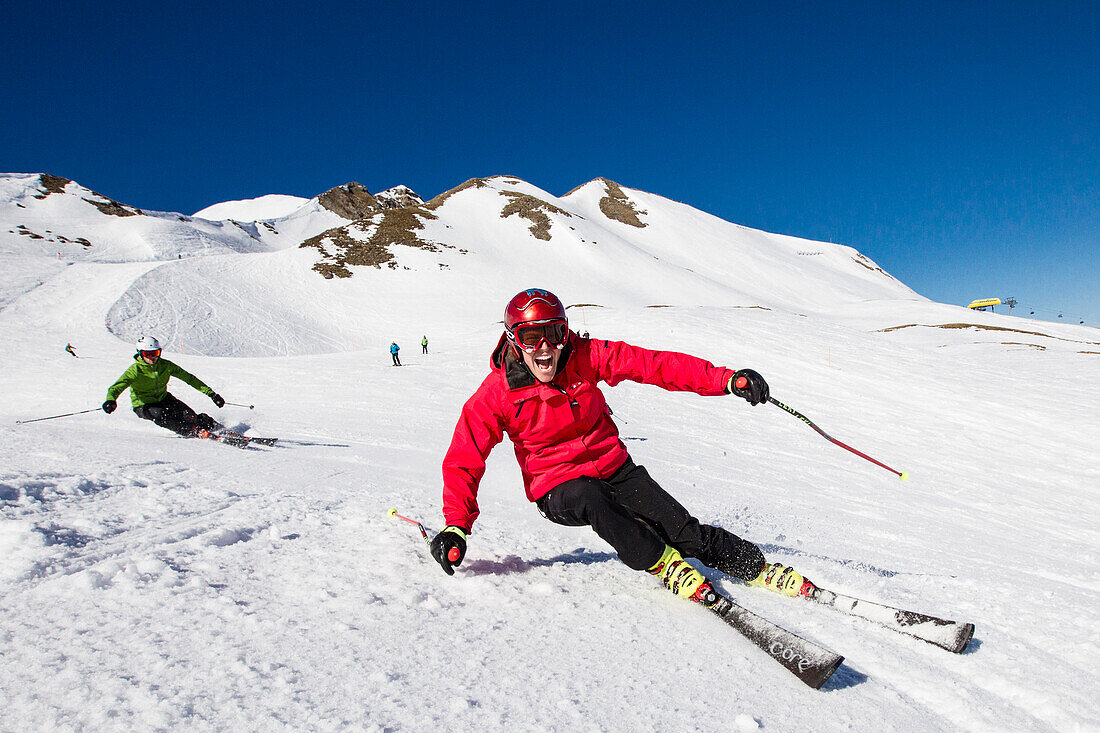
{"points": [[148, 343]]}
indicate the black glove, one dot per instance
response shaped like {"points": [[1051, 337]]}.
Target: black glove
{"points": [[109, 406], [217, 399], [444, 545], [748, 384]]}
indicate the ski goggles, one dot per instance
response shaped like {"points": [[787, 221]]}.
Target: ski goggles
{"points": [[154, 354], [529, 336]]}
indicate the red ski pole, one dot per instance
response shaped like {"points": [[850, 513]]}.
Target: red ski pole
{"points": [[903, 475], [452, 555]]}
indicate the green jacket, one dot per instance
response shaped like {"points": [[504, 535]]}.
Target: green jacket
{"points": [[149, 383]]}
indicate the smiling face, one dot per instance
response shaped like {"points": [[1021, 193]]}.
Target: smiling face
{"points": [[543, 361], [540, 343], [150, 357]]}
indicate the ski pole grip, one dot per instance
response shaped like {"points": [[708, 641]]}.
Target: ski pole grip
{"points": [[741, 383], [453, 554]]}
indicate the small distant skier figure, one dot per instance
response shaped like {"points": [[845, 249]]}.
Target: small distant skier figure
{"points": [[394, 348], [424, 344], [69, 348], [148, 378], [584, 335], [543, 392]]}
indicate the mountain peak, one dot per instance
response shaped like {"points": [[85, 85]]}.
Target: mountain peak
{"points": [[439, 200], [261, 208], [351, 201], [50, 184], [398, 197]]}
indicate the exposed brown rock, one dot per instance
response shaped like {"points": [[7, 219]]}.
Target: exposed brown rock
{"points": [[351, 201], [982, 327], [618, 206], [339, 249], [111, 207], [534, 210], [52, 184], [398, 197], [862, 259]]}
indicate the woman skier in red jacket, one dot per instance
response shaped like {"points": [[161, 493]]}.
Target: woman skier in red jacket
{"points": [[542, 391]]}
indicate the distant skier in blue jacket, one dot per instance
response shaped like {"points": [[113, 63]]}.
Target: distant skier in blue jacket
{"points": [[394, 348]]}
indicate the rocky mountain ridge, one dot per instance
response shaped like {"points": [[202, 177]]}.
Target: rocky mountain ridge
{"points": [[46, 214]]}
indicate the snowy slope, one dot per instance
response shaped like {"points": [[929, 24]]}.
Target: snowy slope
{"points": [[270, 206], [44, 215], [72, 223], [152, 582], [286, 221], [480, 256]]}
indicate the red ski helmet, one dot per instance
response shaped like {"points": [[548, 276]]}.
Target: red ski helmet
{"points": [[535, 307]]}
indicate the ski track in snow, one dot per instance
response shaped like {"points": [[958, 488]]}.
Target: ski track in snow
{"points": [[151, 582]]}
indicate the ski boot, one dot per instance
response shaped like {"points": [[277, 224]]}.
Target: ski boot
{"points": [[210, 429], [784, 580], [682, 579]]}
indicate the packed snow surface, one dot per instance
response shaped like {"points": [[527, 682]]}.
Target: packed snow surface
{"points": [[152, 582]]}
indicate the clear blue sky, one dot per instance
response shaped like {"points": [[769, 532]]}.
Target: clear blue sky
{"points": [[957, 144]]}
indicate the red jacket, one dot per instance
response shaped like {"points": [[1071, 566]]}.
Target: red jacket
{"points": [[561, 430]]}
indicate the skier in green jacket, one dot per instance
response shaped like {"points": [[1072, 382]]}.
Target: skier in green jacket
{"points": [[148, 378]]}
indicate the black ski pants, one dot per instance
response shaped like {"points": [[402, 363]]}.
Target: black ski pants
{"points": [[634, 515], [173, 414]]}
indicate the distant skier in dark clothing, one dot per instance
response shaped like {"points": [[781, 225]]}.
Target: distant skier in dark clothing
{"points": [[69, 348], [147, 378], [424, 344], [394, 348], [542, 392]]}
